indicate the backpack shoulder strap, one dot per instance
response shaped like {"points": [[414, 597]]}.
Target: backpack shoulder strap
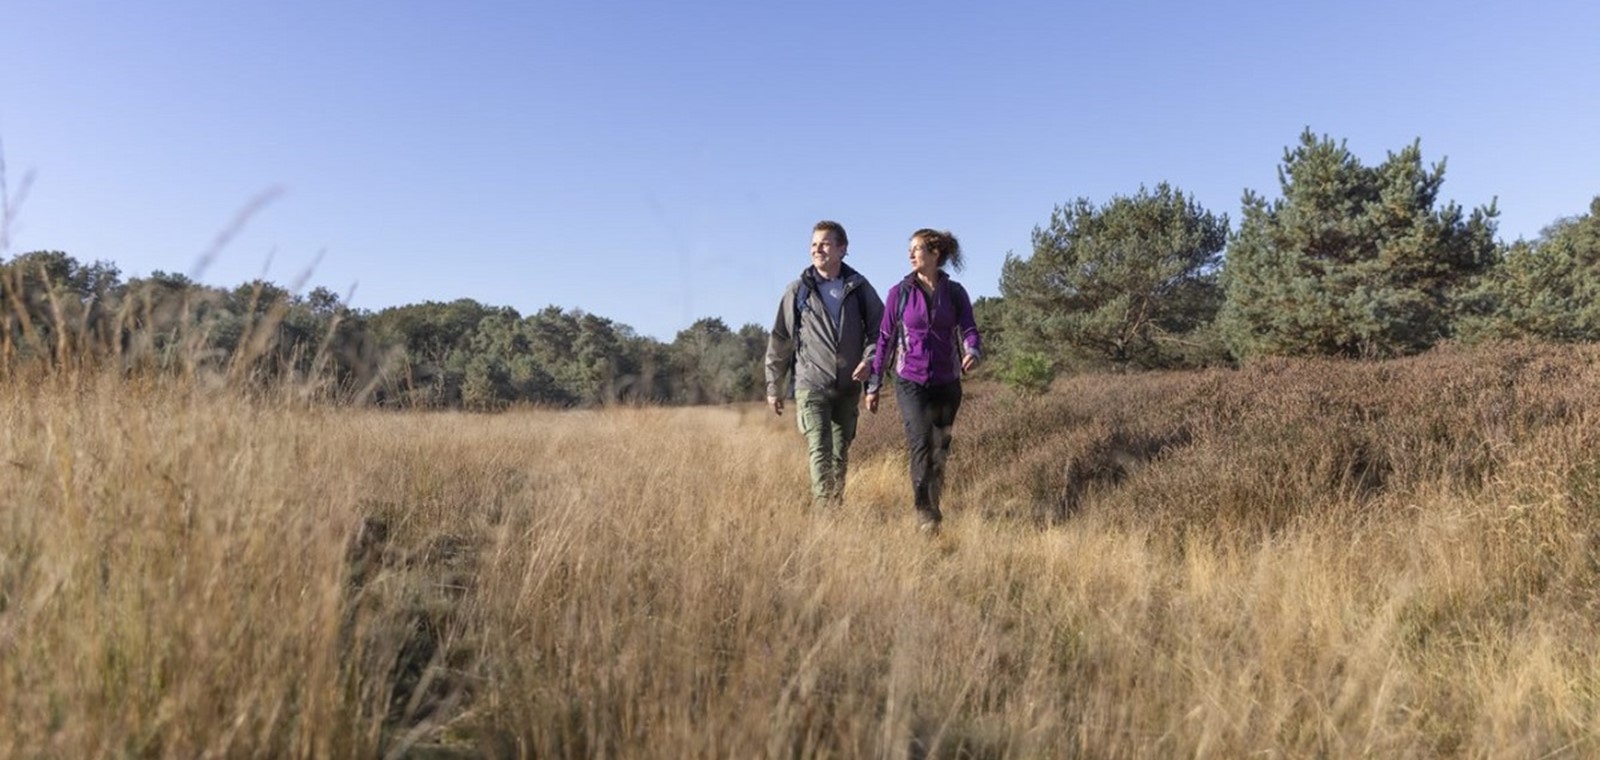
{"points": [[897, 311], [802, 293], [861, 309], [896, 314]]}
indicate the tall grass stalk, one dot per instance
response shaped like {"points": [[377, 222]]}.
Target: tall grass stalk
{"points": [[1298, 558]]}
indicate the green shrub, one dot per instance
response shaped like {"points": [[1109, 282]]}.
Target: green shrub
{"points": [[1028, 371]]}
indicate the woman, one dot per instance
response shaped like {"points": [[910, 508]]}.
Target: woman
{"points": [[929, 331]]}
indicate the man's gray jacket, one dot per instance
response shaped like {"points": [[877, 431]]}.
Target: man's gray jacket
{"points": [[804, 339]]}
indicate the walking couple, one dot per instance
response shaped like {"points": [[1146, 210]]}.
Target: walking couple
{"points": [[833, 333]]}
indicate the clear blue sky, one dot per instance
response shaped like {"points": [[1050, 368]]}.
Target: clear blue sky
{"points": [[658, 162]]}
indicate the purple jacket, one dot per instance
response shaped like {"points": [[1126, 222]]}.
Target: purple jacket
{"points": [[929, 339]]}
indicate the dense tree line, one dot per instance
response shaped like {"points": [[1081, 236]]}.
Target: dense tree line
{"points": [[1348, 260], [56, 309]]}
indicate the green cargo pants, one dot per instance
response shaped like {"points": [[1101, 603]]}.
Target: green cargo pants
{"points": [[829, 425]]}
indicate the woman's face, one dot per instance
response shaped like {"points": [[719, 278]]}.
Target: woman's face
{"points": [[923, 258]]}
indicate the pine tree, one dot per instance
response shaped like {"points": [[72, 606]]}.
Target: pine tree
{"points": [[1352, 260], [1547, 289], [1125, 282]]}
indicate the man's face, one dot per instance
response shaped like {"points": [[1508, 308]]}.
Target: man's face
{"points": [[826, 251]]}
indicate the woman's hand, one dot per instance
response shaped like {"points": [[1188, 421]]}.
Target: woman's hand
{"points": [[872, 403], [967, 363]]}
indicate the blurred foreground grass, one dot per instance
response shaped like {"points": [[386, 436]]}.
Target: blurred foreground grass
{"points": [[1298, 558]]}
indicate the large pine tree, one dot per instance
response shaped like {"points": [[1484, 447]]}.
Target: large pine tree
{"points": [[1352, 260]]}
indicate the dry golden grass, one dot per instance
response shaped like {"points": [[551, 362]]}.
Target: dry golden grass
{"points": [[1295, 559]]}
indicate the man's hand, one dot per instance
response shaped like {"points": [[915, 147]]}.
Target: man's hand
{"points": [[776, 404], [861, 373], [872, 403]]}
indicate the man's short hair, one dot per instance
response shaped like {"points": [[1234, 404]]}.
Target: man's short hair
{"points": [[834, 227]]}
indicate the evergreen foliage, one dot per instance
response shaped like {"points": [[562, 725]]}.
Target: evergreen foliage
{"points": [[989, 312], [1027, 371], [713, 362], [1124, 283], [460, 353], [1547, 289], [1352, 260]]}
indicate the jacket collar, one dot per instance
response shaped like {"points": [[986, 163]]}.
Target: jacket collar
{"points": [[846, 275], [910, 280]]}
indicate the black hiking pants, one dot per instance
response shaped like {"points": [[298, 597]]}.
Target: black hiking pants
{"points": [[929, 412]]}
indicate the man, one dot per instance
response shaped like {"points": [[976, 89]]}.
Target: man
{"points": [[827, 325]]}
